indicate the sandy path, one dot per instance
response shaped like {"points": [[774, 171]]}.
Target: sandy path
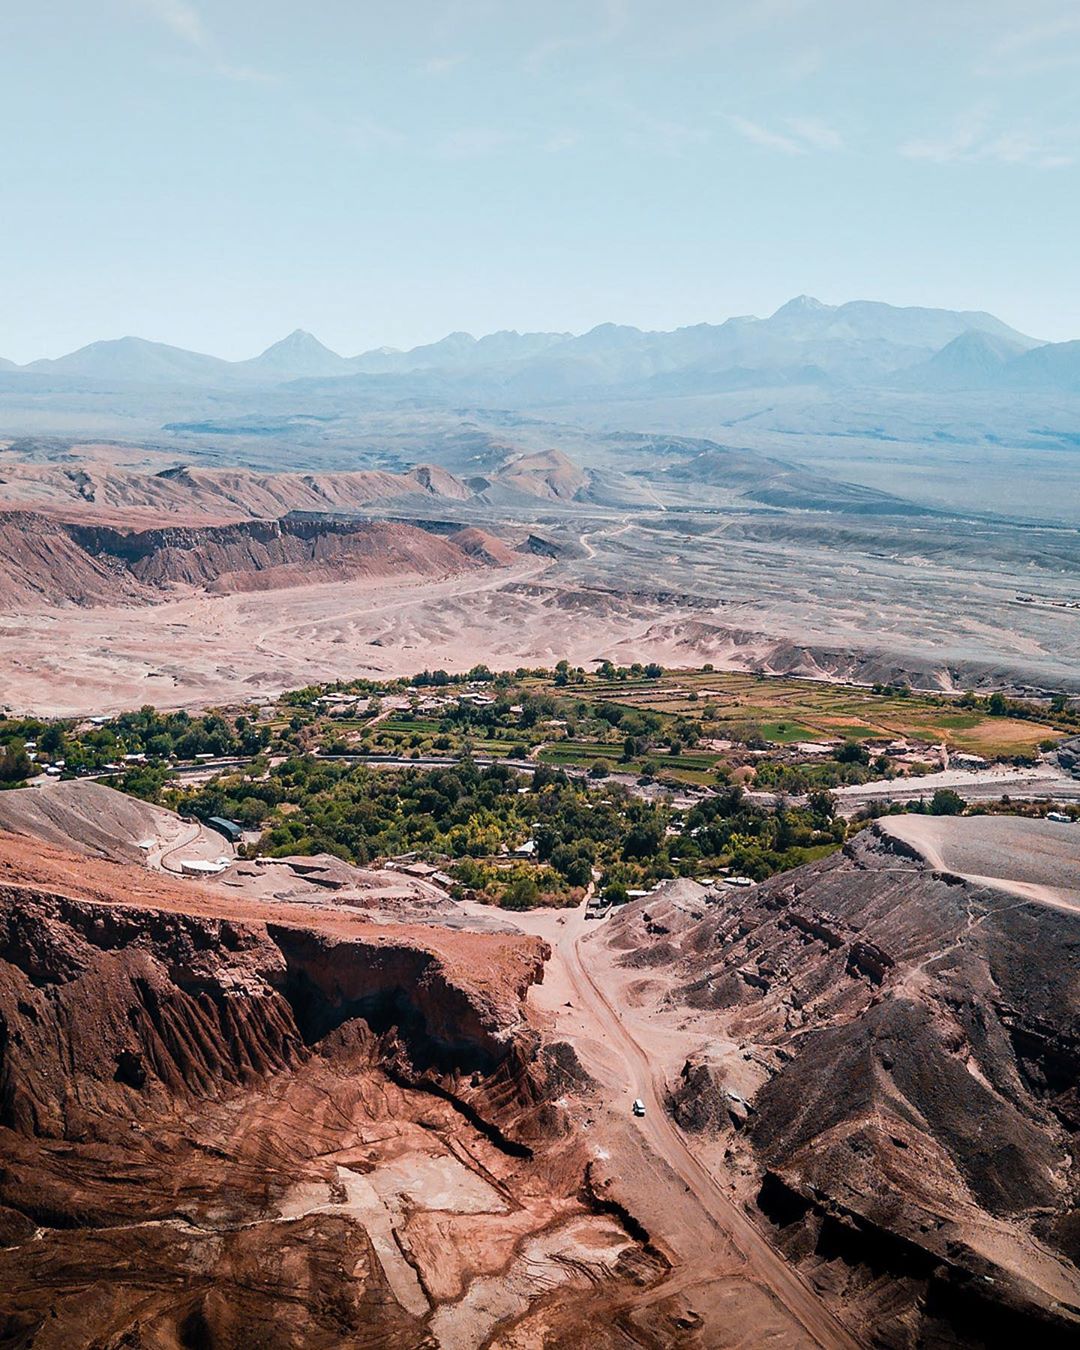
{"points": [[1035, 860]]}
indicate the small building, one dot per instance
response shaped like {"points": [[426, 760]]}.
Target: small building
{"points": [[525, 850], [229, 828], [419, 869], [201, 867]]}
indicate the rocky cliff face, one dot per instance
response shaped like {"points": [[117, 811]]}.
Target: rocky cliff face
{"points": [[224, 1125], [102, 1002], [47, 561], [40, 561], [914, 1042]]}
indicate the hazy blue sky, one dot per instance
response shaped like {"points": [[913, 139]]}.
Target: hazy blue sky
{"points": [[215, 173]]}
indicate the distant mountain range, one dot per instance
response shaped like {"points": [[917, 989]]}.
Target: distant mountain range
{"points": [[804, 342], [982, 360]]}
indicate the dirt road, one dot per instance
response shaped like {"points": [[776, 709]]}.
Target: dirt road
{"points": [[713, 1243], [764, 1264], [189, 840], [1043, 781]]}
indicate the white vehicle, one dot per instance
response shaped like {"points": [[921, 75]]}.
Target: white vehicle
{"points": [[638, 1107], [1060, 817]]}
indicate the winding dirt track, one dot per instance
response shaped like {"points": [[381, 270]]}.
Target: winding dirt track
{"points": [[764, 1265]]}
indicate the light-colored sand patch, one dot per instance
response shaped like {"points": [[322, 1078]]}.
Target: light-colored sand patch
{"points": [[1035, 860], [381, 1199], [435, 1181], [578, 1252]]}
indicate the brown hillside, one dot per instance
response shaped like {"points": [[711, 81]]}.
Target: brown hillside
{"points": [[239, 1125], [893, 1057], [98, 490], [50, 562]]}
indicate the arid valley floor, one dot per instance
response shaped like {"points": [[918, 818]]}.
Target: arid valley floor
{"points": [[700, 555]]}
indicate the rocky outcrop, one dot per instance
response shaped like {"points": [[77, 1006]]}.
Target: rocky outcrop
{"points": [[47, 561], [915, 1117], [224, 1123], [198, 493], [41, 562], [120, 1000]]}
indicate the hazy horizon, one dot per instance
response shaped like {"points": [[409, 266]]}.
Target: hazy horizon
{"points": [[349, 351], [214, 177]]}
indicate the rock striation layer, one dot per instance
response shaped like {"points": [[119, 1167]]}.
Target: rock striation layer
{"points": [[45, 561]]}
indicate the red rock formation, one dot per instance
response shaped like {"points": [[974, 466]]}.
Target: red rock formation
{"points": [[208, 1111], [46, 561]]}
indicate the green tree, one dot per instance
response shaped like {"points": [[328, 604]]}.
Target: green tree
{"points": [[52, 740], [522, 893], [946, 802], [15, 763]]}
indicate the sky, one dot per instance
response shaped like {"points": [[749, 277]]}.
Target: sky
{"points": [[216, 173]]}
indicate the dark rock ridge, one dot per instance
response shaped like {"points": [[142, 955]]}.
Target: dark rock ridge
{"points": [[916, 1041]]}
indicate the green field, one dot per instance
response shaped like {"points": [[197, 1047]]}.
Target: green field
{"points": [[785, 710]]}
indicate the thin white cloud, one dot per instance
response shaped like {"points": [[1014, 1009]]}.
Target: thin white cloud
{"points": [[562, 140], [663, 134], [1035, 49], [815, 133], [769, 140], [972, 140], [243, 74], [182, 19], [800, 135], [946, 147], [549, 49], [371, 136], [614, 19], [441, 65], [1014, 147], [802, 63], [185, 22], [472, 142]]}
